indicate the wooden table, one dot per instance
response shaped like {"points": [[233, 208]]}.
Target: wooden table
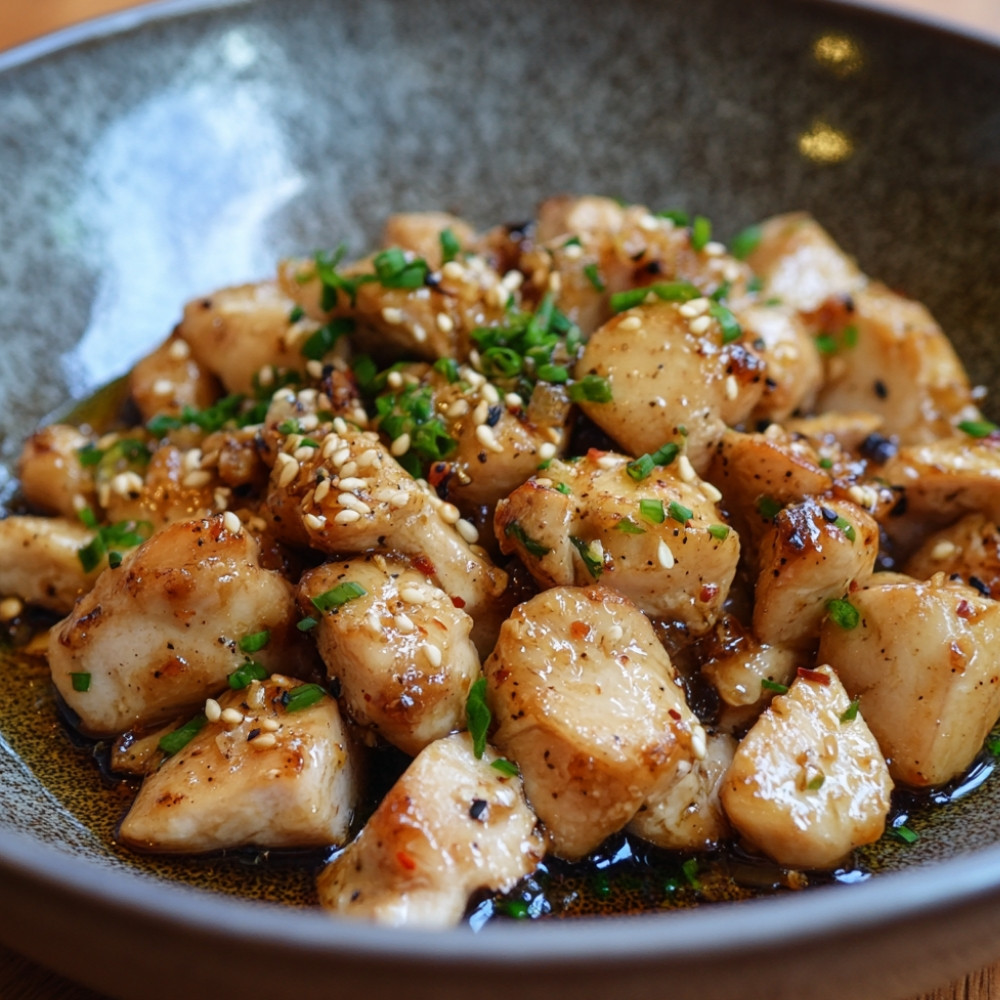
{"points": [[19, 22]]}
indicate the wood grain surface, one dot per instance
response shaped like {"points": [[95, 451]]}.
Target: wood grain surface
{"points": [[21, 21]]}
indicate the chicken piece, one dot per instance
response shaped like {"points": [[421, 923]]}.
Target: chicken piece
{"points": [[395, 644], [832, 433], [924, 658], [813, 552], [422, 232], [687, 815], [236, 332], [158, 634], [938, 483], [808, 783], [451, 825], [664, 376], [744, 671], [274, 769], [969, 549], [168, 379], [586, 702], [801, 265], [53, 478], [40, 560], [886, 354], [349, 495], [661, 540]]}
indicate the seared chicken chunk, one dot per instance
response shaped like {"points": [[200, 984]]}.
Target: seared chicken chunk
{"points": [[924, 658], [169, 379], [423, 233], [395, 643], [52, 476], [272, 767], [660, 540], [969, 549], [452, 824], [808, 783], [587, 705], [159, 633]]}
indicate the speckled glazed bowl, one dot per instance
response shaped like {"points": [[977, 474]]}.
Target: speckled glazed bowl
{"points": [[155, 156]]}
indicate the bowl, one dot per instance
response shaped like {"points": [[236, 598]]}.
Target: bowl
{"points": [[154, 156]]}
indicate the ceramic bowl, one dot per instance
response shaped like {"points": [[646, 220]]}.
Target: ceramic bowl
{"points": [[155, 156]]}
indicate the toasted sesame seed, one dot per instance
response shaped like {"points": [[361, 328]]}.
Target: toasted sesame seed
{"points": [[400, 446], [731, 271], [711, 492], [449, 513], [664, 555], [340, 425], [368, 458], [179, 350], [232, 523], [322, 488], [289, 470], [701, 324], [943, 549], [513, 280], [648, 223], [470, 375], [490, 394], [352, 483], [10, 608], [699, 742], [317, 523], [303, 454], [394, 380], [433, 655], [714, 249], [414, 595], [513, 401], [444, 322], [481, 412], [213, 710], [351, 502], [404, 623], [486, 437], [270, 725], [265, 741], [547, 450], [125, 483], [419, 333], [231, 716], [467, 530], [732, 387], [314, 368], [399, 499], [630, 323], [392, 315], [696, 307], [686, 469], [615, 632], [454, 270], [339, 457], [457, 409], [347, 517], [863, 496]]}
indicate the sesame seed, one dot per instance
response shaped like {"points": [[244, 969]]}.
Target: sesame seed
{"points": [[630, 323], [368, 458], [696, 307], [126, 483], [449, 513], [513, 401], [573, 252], [317, 523], [404, 623], [513, 280], [701, 324], [433, 655], [10, 608], [352, 483], [648, 223], [731, 271], [467, 530], [399, 499], [265, 741], [664, 555], [547, 450], [481, 412], [231, 716], [732, 387], [340, 425], [232, 523], [340, 456], [401, 445], [347, 517], [374, 623], [686, 469], [289, 470], [322, 488], [457, 409], [714, 249], [351, 502], [444, 322], [392, 315], [270, 725], [266, 376], [213, 710], [179, 350], [863, 496], [555, 282], [486, 437], [348, 469], [419, 333], [314, 368], [303, 454], [163, 387], [394, 379], [608, 462], [210, 459], [711, 492], [309, 422], [414, 595], [490, 394], [699, 742], [470, 375], [943, 550], [454, 270], [615, 633]]}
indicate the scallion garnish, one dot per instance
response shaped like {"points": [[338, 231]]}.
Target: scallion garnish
{"points": [[745, 242], [334, 283], [307, 623], [506, 767], [593, 561], [176, 740], [629, 526], [843, 613], [678, 512], [110, 538], [719, 531], [731, 329], [816, 783], [652, 511], [978, 428], [593, 275], [302, 697], [590, 389], [905, 834], [338, 596], [642, 467], [450, 246], [245, 673], [768, 507], [767, 684], [701, 232], [851, 712], [319, 344], [255, 641], [447, 367], [668, 291], [846, 527], [478, 717], [396, 269], [80, 681], [531, 546]]}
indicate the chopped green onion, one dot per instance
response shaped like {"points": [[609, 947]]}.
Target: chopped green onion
{"points": [[247, 672], [334, 283], [394, 270], [593, 275], [677, 217], [652, 510], [851, 712], [978, 428], [826, 343], [905, 834], [745, 242], [478, 717], [319, 344], [668, 291], [553, 373], [89, 455], [594, 563], [843, 613], [447, 367], [846, 527], [850, 336], [755, 284], [678, 512], [532, 547], [643, 466], [701, 232], [506, 767], [302, 697], [629, 526], [767, 684], [255, 641], [563, 488], [590, 389], [516, 909], [307, 623], [450, 247], [338, 596], [88, 518], [690, 872], [289, 427], [719, 531], [731, 329], [993, 745], [817, 783], [122, 534], [80, 681], [768, 507], [171, 742], [826, 463]]}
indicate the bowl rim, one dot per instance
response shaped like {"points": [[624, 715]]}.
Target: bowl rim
{"points": [[707, 931]]}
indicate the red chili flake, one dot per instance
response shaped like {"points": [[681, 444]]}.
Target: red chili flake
{"points": [[964, 609], [459, 602], [406, 861], [579, 630], [816, 676], [438, 473], [708, 592], [674, 714], [423, 565], [593, 454]]}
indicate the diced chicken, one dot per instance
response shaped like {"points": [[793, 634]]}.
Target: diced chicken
{"points": [[397, 646], [161, 632], [421, 234], [665, 376], [924, 658], [451, 825], [169, 379], [52, 476], [660, 540], [40, 560], [236, 332], [808, 783], [813, 552], [970, 549], [586, 703], [275, 769], [687, 815]]}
